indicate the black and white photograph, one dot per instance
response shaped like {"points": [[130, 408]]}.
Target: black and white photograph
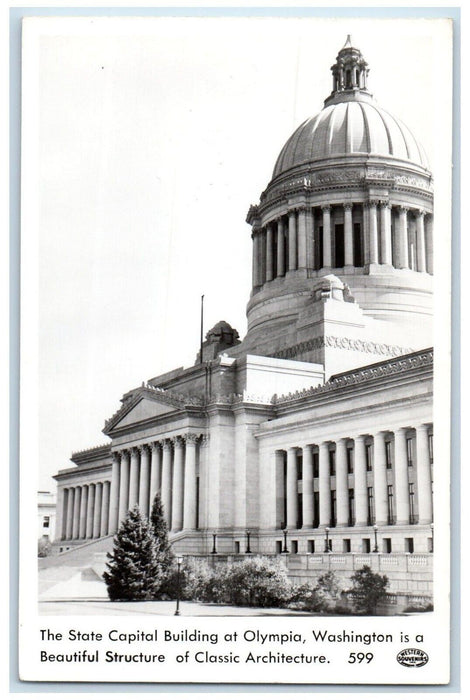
{"points": [[236, 266]]}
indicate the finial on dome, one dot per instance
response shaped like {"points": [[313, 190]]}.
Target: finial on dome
{"points": [[349, 74]]}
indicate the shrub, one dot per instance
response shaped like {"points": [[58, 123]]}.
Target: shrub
{"points": [[368, 590], [257, 582], [44, 546], [134, 570]]}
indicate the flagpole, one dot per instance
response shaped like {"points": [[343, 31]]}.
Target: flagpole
{"points": [[202, 326]]}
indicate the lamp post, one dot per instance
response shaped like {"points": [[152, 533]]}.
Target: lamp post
{"points": [[179, 561], [376, 546], [432, 538], [327, 544], [285, 550], [248, 550], [214, 539]]}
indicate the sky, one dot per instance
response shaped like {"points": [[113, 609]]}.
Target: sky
{"points": [[145, 143]]}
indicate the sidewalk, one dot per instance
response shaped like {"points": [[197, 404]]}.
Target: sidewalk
{"points": [[101, 606]]}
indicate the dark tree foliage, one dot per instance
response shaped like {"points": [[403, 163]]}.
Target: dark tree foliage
{"points": [[160, 534], [134, 570], [368, 590]]}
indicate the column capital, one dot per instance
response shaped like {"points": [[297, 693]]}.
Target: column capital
{"points": [[373, 203], [155, 446], [348, 206], [423, 427], [420, 213], [403, 210], [292, 211], [401, 431], [177, 441], [204, 440], [134, 450], [326, 207], [142, 448], [302, 207], [385, 204], [191, 438], [166, 444], [116, 455]]}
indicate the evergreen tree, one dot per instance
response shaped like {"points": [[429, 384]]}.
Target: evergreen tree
{"points": [[160, 534], [134, 571], [368, 590]]}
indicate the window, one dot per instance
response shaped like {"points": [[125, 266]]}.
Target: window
{"points": [[278, 546], [299, 467], [357, 243], [350, 459], [366, 545], [351, 513], [311, 546], [430, 544], [315, 465], [320, 247], [339, 245], [387, 545], [300, 519], [333, 508], [46, 521], [411, 496], [431, 448], [391, 519], [370, 505], [388, 454], [294, 546], [409, 451], [237, 547], [316, 509], [332, 461], [409, 545], [346, 545], [369, 458]]}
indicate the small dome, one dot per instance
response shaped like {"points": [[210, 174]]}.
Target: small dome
{"points": [[356, 126]]}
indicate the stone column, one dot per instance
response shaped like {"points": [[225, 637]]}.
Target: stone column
{"points": [[70, 510], [155, 467], [380, 480], [83, 512], [302, 238], [348, 236], [423, 475], [402, 237], [255, 261], [291, 489], [76, 513], [360, 480], [428, 226], [114, 496], [134, 478], [373, 238], [190, 504], [166, 481], [292, 240], [342, 490], [386, 233], [98, 510], [307, 487], [105, 496], [269, 253], [281, 263], [324, 485], [90, 511], [60, 511], [309, 238], [144, 482], [177, 503], [326, 236], [401, 478], [124, 486], [420, 244]]}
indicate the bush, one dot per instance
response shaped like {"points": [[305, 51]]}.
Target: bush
{"points": [[44, 546], [368, 590], [257, 582], [134, 570]]}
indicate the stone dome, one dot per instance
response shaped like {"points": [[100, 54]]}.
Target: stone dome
{"points": [[355, 125]]}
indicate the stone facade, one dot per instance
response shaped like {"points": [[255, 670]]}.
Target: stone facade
{"points": [[312, 438]]}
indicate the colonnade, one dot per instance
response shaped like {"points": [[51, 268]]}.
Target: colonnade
{"points": [[85, 511], [168, 466], [374, 232], [384, 478]]}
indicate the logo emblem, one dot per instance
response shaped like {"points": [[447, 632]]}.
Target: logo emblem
{"points": [[412, 658]]}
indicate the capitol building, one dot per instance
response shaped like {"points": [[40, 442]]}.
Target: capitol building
{"points": [[312, 437]]}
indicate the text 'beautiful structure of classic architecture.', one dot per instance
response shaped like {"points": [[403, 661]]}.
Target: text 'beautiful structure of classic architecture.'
{"points": [[313, 435]]}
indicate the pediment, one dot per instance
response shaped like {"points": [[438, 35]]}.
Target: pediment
{"points": [[142, 411]]}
